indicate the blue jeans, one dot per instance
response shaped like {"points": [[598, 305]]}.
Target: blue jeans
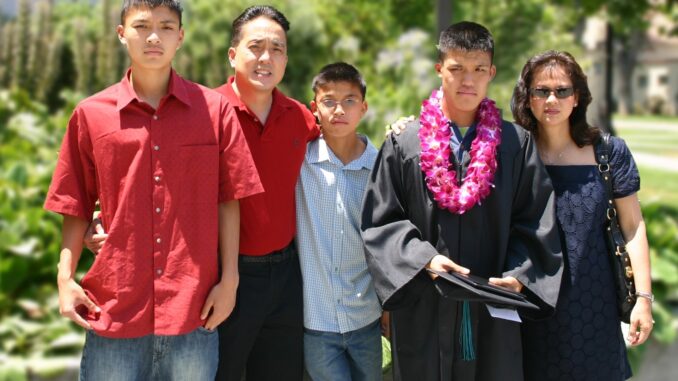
{"points": [[354, 355], [192, 356]]}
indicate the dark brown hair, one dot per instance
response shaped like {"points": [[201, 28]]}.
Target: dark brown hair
{"points": [[127, 5], [466, 36], [580, 131], [339, 72]]}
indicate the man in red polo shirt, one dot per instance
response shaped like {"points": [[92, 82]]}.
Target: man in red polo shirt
{"points": [[263, 337], [167, 161]]}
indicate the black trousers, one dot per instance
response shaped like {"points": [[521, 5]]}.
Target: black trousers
{"points": [[263, 337]]}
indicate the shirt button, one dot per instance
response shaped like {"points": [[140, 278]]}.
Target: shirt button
{"points": [[157, 210], [158, 240], [158, 271], [157, 148], [157, 179], [155, 117]]}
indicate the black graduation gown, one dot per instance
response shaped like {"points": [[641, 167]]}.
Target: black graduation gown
{"points": [[513, 232]]}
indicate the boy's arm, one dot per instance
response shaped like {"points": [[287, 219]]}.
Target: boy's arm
{"points": [[71, 295], [221, 298]]}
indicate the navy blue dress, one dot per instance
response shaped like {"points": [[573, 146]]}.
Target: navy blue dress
{"points": [[583, 340]]}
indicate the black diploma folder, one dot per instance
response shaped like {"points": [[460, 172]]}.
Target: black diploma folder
{"points": [[476, 289]]}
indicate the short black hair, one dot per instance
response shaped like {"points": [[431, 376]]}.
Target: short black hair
{"points": [[339, 72], [173, 5], [465, 36], [254, 12], [580, 131]]}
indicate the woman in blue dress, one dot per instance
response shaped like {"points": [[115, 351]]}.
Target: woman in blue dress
{"points": [[583, 340]]}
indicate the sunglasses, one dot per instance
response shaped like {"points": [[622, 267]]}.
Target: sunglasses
{"points": [[544, 92]]}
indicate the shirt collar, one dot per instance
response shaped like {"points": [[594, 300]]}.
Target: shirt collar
{"points": [[319, 152], [280, 101], [175, 88]]}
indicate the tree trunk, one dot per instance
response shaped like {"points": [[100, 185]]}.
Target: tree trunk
{"points": [[444, 14], [600, 111], [626, 59]]}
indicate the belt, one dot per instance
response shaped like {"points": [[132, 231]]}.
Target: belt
{"points": [[274, 257]]}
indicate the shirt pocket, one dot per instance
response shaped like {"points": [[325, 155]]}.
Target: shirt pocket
{"points": [[199, 170], [117, 158]]}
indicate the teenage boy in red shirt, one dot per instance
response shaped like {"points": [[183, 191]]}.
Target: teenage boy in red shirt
{"points": [[167, 161]]}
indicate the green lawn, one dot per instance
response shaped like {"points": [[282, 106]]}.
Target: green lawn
{"points": [[647, 118], [656, 142], [656, 184]]}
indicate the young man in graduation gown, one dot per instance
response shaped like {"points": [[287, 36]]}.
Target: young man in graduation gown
{"points": [[459, 190]]}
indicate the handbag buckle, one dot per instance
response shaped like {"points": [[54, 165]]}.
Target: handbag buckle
{"points": [[604, 167], [611, 213], [628, 271]]}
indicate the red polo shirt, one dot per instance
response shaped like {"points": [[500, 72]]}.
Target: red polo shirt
{"points": [[267, 220], [159, 176]]}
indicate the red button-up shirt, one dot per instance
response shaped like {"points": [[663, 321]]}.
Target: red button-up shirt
{"points": [[159, 176], [267, 220]]}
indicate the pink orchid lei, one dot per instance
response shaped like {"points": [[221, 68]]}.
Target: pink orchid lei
{"points": [[441, 180]]}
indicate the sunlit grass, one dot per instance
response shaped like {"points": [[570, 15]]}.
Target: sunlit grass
{"points": [[648, 118], [657, 142], [658, 185]]}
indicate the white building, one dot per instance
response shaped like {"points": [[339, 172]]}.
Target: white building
{"points": [[655, 78], [654, 81]]}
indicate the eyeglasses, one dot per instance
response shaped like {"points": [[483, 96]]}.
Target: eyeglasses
{"points": [[347, 103], [544, 92]]}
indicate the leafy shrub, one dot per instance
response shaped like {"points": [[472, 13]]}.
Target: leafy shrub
{"points": [[29, 236]]}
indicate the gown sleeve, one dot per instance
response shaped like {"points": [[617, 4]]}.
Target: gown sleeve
{"points": [[395, 249], [534, 246]]}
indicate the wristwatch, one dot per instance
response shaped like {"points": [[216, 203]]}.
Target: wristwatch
{"points": [[647, 295]]}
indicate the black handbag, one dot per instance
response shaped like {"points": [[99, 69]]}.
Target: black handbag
{"points": [[616, 244]]}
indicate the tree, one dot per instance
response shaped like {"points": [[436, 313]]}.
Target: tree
{"points": [[627, 25]]}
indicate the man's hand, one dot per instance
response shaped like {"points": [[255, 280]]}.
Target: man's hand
{"points": [[220, 301], [443, 264], [507, 282], [399, 125], [95, 236], [71, 296]]}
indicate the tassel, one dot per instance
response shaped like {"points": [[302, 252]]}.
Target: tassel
{"points": [[466, 337]]}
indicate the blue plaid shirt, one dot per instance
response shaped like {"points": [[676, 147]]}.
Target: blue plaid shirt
{"points": [[339, 293]]}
